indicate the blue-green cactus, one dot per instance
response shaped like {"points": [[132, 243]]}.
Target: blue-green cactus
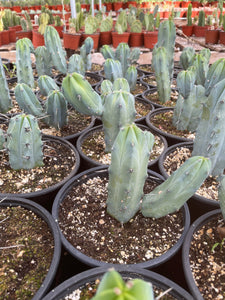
{"points": [[27, 100], [210, 140], [170, 195], [106, 88], [201, 64], [80, 94], [76, 64], [55, 49], [112, 69], [2, 139], [5, 99], [107, 52], [24, 48], [221, 196], [112, 286], [56, 110], [43, 61], [121, 84], [185, 81], [131, 76], [24, 142], [128, 172], [215, 74], [85, 52], [47, 84], [187, 57]]}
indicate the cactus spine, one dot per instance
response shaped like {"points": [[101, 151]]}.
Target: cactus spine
{"points": [[47, 84], [128, 171], [24, 143], [210, 139], [55, 49], [56, 110], [177, 189], [43, 61], [24, 48], [112, 286], [5, 99], [79, 93]]}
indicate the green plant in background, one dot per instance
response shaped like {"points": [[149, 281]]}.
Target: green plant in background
{"points": [[121, 22], [10, 18], [91, 25], [112, 286], [209, 20], [5, 99], [75, 24], [201, 18], [57, 21], [149, 22], [43, 22], [43, 61], [136, 26], [106, 24], [189, 13], [24, 48]]}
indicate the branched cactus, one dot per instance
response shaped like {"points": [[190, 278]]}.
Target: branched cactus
{"points": [[55, 49], [112, 286], [170, 195], [187, 57], [128, 171], [76, 64], [210, 139], [80, 94], [24, 143], [56, 109], [43, 61], [215, 74], [5, 99], [149, 22], [47, 84], [106, 24], [27, 100], [160, 64], [24, 48]]}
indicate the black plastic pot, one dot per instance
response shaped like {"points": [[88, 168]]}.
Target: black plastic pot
{"points": [[141, 68], [90, 163], [153, 90], [198, 205], [127, 272], [201, 221], [46, 216], [91, 262], [46, 196], [171, 139]]}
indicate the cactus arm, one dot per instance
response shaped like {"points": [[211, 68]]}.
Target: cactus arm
{"points": [[85, 52], [76, 64], [119, 110], [24, 143], [187, 57], [128, 171], [46, 84], [177, 189], [112, 69], [107, 52], [23, 62], [121, 84], [185, 81], [56, 110], [215, 74], [27, 100], [5, 99], [122, 54], [131, 77], [80, 94], [55, 49], [160, 65], [202, 66], [43, 61]]}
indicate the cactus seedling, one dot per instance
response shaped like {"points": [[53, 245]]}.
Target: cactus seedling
{"points": [[112, 286]]}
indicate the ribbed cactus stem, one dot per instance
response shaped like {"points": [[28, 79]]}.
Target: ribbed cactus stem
{"points": [[2, 139], [80, 94], [24, 48], [47, 84], [187, 57], [27, 100], [56, 110], [55, 49], [85, 52], [131, 77], [24, 143], [202, 65], [215, 74], [170, 195], [186, 81], [128, 172], [107, 52], [112, 69], [5, 99], [43, 61], [76, 64]]}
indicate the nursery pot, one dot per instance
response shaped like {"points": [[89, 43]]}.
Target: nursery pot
{"points": [[150, 39], [120, 38], [90, 276], [212, 36], [196, 226], [199, 31], [222, 37], [24, 34], [46, 216], [188, 30], [71, 41], [88, 261], [94, 36], [105, 38], [37, 39], [5, 37], [136, 39]]}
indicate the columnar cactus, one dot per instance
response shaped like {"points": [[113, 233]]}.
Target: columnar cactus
{"points": [[107, 52], [170, 195], [56, 109], [112, 69], [80, 94], [27, 100], [215, 74], [202, 66], [131, 77], [128, 171], [112, 286], [2, 139], [201, 18], [85, 52], [136, 26], [55, 49], [43, 61], [47, 84], [76, 64], [160, 64], [210, 139], [24, 48], [5, 99], [187, 57], [189, 14], [24, 143]]}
